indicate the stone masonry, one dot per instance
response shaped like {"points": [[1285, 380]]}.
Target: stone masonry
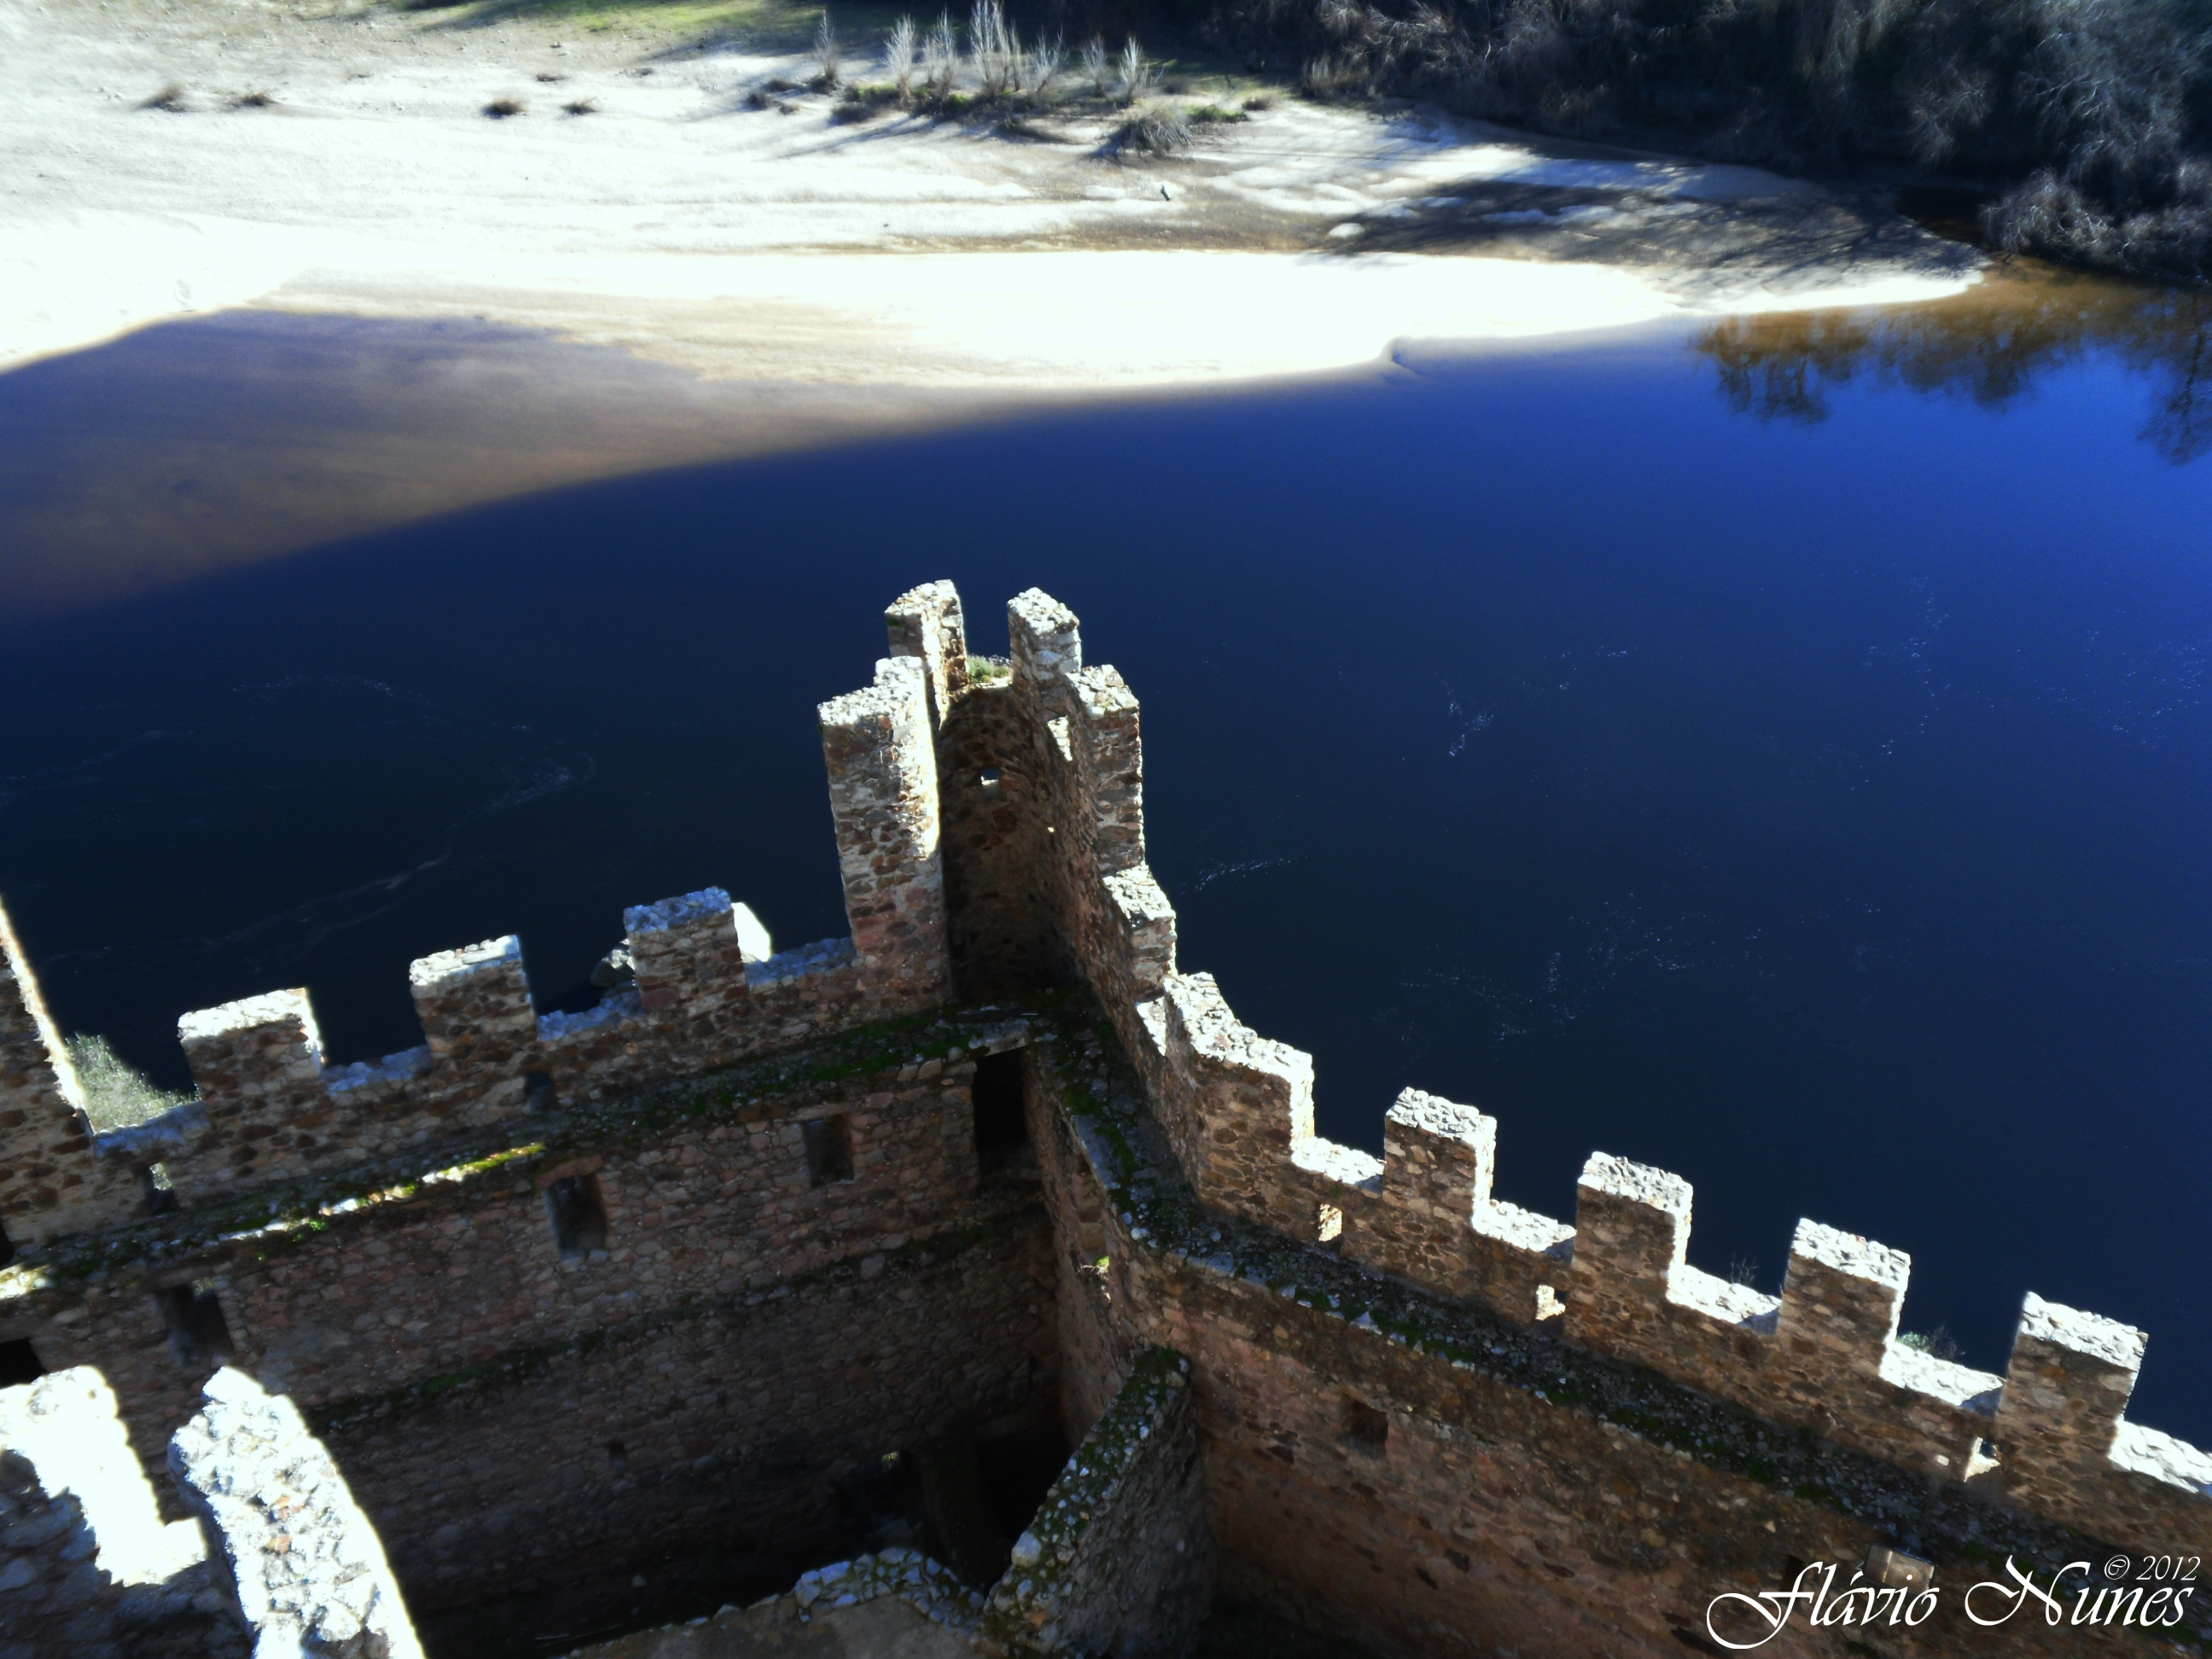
{"points": [[591, 1307]]}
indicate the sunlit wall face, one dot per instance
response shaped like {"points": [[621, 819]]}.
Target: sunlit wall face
{"points": [[1811, 806]]}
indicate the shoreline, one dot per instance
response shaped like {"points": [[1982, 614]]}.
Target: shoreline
{"points": [[785, 242]]}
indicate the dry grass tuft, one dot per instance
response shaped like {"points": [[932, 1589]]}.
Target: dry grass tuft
{"points": [[500, 108], [170, 98], [1136, 73], [115, 1096], [900, 46], [255, 101], [1329, 77], [828, 57], [581, 106], [1154, 130], [547, 78], [1095, 67]]}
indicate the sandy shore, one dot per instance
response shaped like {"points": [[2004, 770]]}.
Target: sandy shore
{"points": [[677, 221], [270, 276]]}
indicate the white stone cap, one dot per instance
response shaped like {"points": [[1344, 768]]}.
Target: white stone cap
{"points": [[1847, 1253], [269, 1008], [687, 910], [2091, 1335], [444, 966], [1104, 691], [899, 680], [1213, 1030], [1057, 651], [2161, 1457], [1719, 1299], [233, 1387], [1639, 1184], [1446, 1119], [1347, 1165], [1955, 1385], [1140, 894], [1524, 1229]]}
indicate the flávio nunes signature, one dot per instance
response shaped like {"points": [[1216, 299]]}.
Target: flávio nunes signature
{"points": [[2127, 1592]]}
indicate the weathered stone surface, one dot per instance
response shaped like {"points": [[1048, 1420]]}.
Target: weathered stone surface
{"points": [[87, 1568], [305, 1567], [1119, 1558], [568, 1295], [52, 1179]]}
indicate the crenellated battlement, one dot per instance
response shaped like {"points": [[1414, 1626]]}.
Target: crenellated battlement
{"points": [[707, 990], [1238, 1110], [990, 833]]}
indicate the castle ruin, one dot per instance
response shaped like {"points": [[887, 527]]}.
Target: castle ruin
{"points": [[549, 1326]]}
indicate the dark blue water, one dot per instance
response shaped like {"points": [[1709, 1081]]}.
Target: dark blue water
{"points": [[1785, 757]]}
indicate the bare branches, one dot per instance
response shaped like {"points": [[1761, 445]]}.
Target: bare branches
{"points": [[900, 46]]}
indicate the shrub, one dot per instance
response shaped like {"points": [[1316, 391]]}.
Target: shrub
{"points": [[500, 108], [1136, 73], [581, 106], [996, 50], [900, 46], [116, 1097], [1154, 130], [1094, 68], [1937, 1344], [2095, 115], [940, 59], [829, 56], [1045, 63]]}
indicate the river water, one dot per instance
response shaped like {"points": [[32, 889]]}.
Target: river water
{"points": [[1781, 752]]}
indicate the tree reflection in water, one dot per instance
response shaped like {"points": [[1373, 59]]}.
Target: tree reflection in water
{"points": [[1989, 345]]}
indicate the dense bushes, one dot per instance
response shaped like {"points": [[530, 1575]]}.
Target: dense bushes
{"points": [[2094, 116]]}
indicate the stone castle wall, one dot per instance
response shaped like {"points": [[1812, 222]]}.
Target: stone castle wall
{"points": [[278, 1560], [1237, 1113], [743, 1332], [1119, 1558], [708, 991], [561, 1292]]}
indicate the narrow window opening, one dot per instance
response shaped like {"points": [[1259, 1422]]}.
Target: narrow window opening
{"points": [[1002, 1119], [1984, 1457], [988, 781], [19, 1362], [829, 1150], [7, 1248], [1365, 1429], [580, 1217], [161, 1194], [1328, 1223], [617, 1459], [538, 1095], [199, 1336]]}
